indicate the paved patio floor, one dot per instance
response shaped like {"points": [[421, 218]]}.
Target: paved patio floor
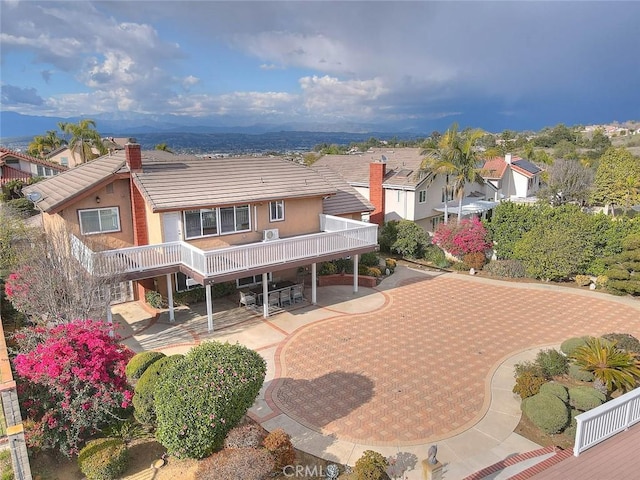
{"points": [[424, 358]]}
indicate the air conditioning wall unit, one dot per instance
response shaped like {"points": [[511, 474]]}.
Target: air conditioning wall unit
{"points": [[270, 234], [191, 282]]}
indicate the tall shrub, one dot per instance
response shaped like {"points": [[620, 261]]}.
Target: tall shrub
{"points": [[201, 397], [411, 240], [467, 236], [71, 381]]}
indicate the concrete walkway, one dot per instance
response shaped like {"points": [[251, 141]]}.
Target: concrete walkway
{"points": [[423, 359]]}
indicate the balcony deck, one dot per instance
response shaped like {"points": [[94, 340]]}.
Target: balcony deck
{"points": [[339, 237]]}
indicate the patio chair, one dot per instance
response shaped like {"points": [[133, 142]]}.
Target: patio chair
{"points": [[274, 299], [247, 299], [285, 296], [296, 293]]}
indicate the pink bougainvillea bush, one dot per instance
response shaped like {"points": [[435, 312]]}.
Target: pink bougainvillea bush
{"points": [[71, 382], [16, 287], [466, 236]]}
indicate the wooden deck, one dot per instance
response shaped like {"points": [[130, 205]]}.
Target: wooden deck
{"points": [[615, 458]]}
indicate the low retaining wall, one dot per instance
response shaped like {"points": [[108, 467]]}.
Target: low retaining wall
{"points": [[346, 279]]}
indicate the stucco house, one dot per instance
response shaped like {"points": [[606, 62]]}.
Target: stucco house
{"points": [[514, 178], [392, 181], [19, 166], [161, 221]]}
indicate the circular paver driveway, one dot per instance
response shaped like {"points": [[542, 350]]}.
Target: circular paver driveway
{"points": [[418, 369]]}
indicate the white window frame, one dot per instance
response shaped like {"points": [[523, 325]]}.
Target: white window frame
{"points": [[114, 209], [218, 221], [255, 280], [278, 205], [422, 196]]}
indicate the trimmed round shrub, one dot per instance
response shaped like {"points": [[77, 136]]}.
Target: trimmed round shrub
{"points": [[435, 255], [528, 384], [103, 459], [624, 341], [327, 268], [569, 345], [373, 272], [279, 444], [237, 464], [585, 398], [144, 409], [577, 373], [552, 362], [140, 362], [371, 466], [547, 412], [202, 396], [475, 260], [245, 436], [557, 390]]}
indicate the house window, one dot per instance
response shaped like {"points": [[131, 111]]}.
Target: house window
{"points": [[40, 170], [214, 221], [447, 192], [64, 161], [234, 219], [200, 223], [435, 221], [252, 280], [422, 196], [99, 220], [276, 211]]}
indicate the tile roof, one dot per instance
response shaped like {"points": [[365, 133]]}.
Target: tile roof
{"points": [[176, 182], [5, 153], [58, 190], [347, 200], [402, 166], [494, 168], [9, 173]]}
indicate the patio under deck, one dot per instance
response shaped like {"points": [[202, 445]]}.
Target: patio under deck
{"points": [[339, 238]]}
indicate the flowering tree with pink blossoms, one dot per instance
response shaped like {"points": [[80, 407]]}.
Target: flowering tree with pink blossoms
{"points": [[466, 236], [71, 382]]}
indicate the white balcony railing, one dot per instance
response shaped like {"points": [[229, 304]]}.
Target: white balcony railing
{"points": [[604, 421], [338, 235]]}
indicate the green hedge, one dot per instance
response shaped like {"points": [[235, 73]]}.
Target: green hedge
{"points": [[144, 410], [569, 346], [557, 390], [585, 398], [140, 362], [577, 373], [547, 412], [103, 459], [200, 397]]}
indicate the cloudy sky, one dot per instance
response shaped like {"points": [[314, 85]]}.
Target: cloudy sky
{"points": [[494, 65]]}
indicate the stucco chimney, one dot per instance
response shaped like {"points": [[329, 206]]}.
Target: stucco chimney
{"points": [[507, 158], [377, 171], [133, 154]]}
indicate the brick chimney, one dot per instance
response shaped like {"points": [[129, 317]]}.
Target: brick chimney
{"points": [[377, 171], [133, 154]]}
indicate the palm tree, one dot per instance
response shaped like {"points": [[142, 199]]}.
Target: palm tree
{"points": [[615, 368], [41, 145], [84, 137], [163, 147], [454, 156]]}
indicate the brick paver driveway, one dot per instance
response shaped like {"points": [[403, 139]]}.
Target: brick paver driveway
{"points": [[418, 369]]}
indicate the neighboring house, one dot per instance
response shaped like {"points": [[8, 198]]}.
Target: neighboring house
{"points": [[168, 221], [514, 179], [18, 166], [67, 158], [391, 180]]}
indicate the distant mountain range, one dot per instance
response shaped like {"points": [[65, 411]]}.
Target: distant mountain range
{"points": [[124, 124]]}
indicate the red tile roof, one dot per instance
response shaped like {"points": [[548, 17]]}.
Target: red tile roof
{"points": [[5, 153], [10, 173], [494, 168]]}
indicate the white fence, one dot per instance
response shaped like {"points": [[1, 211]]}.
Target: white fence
{"points": [[606, 420], [339, 235]]}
